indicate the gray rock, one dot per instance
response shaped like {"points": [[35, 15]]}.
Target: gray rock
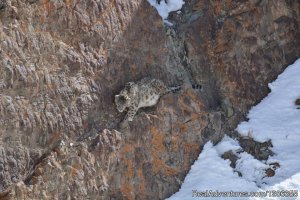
{"points": [[62, 62]]}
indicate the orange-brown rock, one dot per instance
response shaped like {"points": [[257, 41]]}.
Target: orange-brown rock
{"points": [[62, 62]]}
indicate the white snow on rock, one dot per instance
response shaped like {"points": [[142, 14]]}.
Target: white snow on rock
{"points": [[166, 6], [277, 118]]}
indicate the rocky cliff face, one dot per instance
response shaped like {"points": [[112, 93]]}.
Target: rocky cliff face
{"points": [[63, 61]]}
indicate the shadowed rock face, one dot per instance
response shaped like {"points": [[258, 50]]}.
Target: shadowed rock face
{"points": [[62, 62]]}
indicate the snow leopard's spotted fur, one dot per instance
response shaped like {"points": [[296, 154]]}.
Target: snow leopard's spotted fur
{"points": [[144, 93]]}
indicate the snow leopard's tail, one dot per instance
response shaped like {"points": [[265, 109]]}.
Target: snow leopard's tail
{"points": [[174, 89], [178, 88], [197, 87]]}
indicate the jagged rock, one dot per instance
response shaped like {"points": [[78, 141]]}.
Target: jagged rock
{"points": [[230, 155], [3, 4], [297, 103], [62, 62], [270, 172], [260, 150]]}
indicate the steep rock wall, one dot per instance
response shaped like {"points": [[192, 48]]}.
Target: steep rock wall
{"points": [[62, 62]]}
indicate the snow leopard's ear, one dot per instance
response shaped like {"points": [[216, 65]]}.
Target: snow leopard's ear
{"points": [[129, 84], [121, 98], [130, 87]]}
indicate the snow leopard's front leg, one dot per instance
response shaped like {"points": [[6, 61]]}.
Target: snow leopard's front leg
{"points": [[131, 113]]}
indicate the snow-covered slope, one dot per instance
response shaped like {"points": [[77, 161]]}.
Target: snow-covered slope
{"points": [[277, 118]]}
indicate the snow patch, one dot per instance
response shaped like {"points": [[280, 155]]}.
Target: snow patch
{"points": [[165, 7], [277, 118], [211, 172]]}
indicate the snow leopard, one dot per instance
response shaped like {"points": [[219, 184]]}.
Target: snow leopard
{"points": [[144, 93]]}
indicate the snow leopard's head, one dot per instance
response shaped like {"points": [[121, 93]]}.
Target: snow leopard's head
{"points": [[124, 99]]}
